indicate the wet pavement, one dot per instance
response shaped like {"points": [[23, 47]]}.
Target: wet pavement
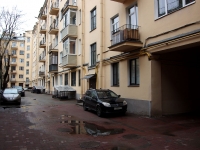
{"points": [[44, 123]]}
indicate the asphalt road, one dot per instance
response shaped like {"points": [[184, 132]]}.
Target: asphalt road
{"points": [[44, 123]]}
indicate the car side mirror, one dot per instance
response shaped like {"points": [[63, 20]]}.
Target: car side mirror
{"points": [[119, 96]]}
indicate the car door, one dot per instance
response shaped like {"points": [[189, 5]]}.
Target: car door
{"points": [[87, 98], [93, 101]]}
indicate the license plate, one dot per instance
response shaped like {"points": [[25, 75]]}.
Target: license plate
{"points": [[117, 108]]}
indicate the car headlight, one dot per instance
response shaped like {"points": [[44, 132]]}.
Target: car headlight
{"points": [[124, 103], [106, 104]]}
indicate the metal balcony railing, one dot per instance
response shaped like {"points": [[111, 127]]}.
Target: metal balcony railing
{"points": [[68, 3], [125, 33], [54, 25], [42, 42], [42, 55], [55, 5]]}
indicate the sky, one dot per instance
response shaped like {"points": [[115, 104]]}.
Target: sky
{"points": [[30, 8]]}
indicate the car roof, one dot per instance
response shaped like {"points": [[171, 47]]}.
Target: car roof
{"points": [[99, 89]]}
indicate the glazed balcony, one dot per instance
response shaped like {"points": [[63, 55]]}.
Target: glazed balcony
{"points": [[13, 63], [53, 47], [42, 57], [43, 29], [53, 64], [69, 61], [42, 73], [54, 28], [43, 15], [54, 8], [125, 38], [119, 1], [42, 44], [70, 4], [69, 31], [12, 80]]}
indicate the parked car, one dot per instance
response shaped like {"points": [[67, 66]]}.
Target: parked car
{"points": [[25, 89], [37, 89], [20, 90], [104, 101], [11, 95]]}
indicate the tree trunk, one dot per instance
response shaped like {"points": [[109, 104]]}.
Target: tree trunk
{"points": [[6, 75]]}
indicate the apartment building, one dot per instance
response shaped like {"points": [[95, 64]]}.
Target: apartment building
{"points": [[145, 51], [19, 73]]}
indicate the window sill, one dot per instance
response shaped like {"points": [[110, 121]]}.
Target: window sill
{"points": [[133, 85], [115, 86], [91, 67], [92, 30]]}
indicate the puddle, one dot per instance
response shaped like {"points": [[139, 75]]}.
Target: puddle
{"points": [[81, 127]]}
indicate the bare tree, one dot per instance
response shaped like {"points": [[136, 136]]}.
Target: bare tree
{"points": [[10, 22]]}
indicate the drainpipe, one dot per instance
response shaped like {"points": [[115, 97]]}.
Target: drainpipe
{"points": [[101, 46], [83, 46]]}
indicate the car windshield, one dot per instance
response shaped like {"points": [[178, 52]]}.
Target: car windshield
{"points": [[10, 91], [106, 94], [18, 87]]}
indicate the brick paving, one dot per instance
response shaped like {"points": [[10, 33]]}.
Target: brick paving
{"points": [[43, 123]]}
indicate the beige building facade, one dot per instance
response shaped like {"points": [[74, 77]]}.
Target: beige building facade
{"points": [[145, 51]]}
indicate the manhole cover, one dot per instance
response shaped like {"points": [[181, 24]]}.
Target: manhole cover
{"points": [[91, 144], [131, 136]]}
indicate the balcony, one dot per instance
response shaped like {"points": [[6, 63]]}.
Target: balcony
{"points": [[53, 64], [13, 63], [69, 61], [42, 57], [14, 47], [41, 73], [69, 5], [14, 55], [12, 79], [54, 28], [54, 9], [119, 1], [125, 38], [27, 82], [69, 31], [53, 47], [43, 15], [13, 71], [43, 29], [42, 44]]}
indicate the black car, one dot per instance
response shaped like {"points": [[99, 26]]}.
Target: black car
{"points": [[20, 90], [11, 95], [104, 101]]}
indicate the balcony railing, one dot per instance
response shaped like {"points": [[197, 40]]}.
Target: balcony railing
{"points": [[42, 73], [69, 4], [69, 61], [125, 33], [12, 79], [13, 63], [13, 55], [53, 28], [54, 8], [69, 31], [13, 71], [43, 15], [14, 47], [53, 47]]}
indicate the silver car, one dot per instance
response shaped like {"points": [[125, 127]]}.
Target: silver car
{"points": [[11, 96]]}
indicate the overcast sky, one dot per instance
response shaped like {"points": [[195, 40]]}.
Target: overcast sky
{"points": [[30, 8]]}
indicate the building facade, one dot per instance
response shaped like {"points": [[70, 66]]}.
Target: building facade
{"points": [[145, 51]]}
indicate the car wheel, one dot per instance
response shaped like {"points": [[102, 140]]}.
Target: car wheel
{"points": [[99, 111], [84, 107]]}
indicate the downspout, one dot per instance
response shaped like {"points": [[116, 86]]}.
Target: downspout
{"points": [[101, 45], [83, 45]]}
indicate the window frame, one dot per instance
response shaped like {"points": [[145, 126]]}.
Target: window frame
{"points": [[135, 71], [93, 53], [21, 52], [73, 78], [115, 74], [93, 14]]}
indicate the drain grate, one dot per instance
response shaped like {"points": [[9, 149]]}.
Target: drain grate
{"points": [[90, 144]]}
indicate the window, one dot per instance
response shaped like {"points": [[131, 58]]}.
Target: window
{"points": [[73, 79], [28, 47], [93, 54], [28, 39], [79, 78], [21, 76], [28, 55], [133, 16], [27, 79], [79, 46], [115, 74], [115, 24], [14, 44], [93, 19], [21, 68], [13, 60], [21, 44], [165, 7], [12, 75], [21, 60], [69, 18], [27, 71], [79, 16], [21, 52], [69, 46], [61, 55], [27, 63], [14, 52], [61, 80], [66, 79], [134, 72]]}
